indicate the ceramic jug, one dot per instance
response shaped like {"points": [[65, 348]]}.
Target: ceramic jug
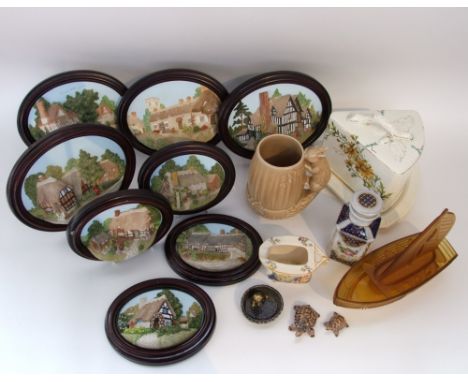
{"points": [[283, 177]]}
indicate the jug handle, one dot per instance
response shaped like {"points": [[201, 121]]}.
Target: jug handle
{"points": [[317, 169]]}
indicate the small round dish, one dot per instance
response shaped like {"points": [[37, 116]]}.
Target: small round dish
{"points": [[79, 96], [193, 176], [213, 249], [274, 103], [66, 170], [120, 225], [261, 304], [160, 321], [171, 106]]}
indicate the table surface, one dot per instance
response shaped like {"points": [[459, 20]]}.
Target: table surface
{"points": [[54, 302]]}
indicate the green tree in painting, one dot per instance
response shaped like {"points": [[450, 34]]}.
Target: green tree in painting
{"points": [[195, 163], [200, 228], [218, 169], [72, 162], [276, 93], [155, 215], [197, 92], [195, 315], [168, 166], [84, 104], [89, 167], [54, 172], [113, 157], [146, 121], [94, 229], [106, 101], [36, 132], [303, 100], [241, 117], [122, 321], [173, 301], [30, 187], [156, 183]]}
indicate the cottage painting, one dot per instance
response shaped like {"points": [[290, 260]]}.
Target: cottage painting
{"points": [[188, 181], [76, 102], [70, 175], [172, 112], [121, 232], [160, 319], [214, 247], [277, 109]]}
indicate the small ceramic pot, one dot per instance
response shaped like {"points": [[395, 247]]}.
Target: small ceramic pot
{"points": [[283, 177], [291, 259]]}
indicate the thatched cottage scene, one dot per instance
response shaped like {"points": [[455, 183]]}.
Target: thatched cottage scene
{"points": [[78, 102], [278, 109], [122, 232], [160, 318], [158, 118], [188, 181], [57, 185], [214, 247]]}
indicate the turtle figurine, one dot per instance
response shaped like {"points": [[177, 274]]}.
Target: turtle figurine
{"points": [[336, 323], [305, 318]]}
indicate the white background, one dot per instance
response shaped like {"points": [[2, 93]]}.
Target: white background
{"points": [[53, 303]]}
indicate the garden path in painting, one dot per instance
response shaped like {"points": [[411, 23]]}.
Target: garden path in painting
{"points": [[122, 232], [188, 181], [277, 109], [70, 175], [160, 319], [76, 102], [172, 112], [214, 247]]}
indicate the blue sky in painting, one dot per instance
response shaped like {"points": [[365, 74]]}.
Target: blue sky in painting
{"points": [[59, 156], [252, 100], [182, 160], [168, 93], [184, 298], [59, 94]]}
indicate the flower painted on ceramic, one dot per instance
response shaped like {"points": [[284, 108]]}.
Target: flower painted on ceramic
{"points": [[355, 162]]}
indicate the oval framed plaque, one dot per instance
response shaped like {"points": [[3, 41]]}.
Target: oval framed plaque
{"points": [[213, 249], [78, 96], [274, 103], [193, 176], [120, 225], [66, 170], [171, 106], [160, 321]]}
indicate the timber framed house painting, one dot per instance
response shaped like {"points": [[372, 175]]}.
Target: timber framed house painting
{"points": [[119, 226], [79, 96], [160, 321], [192, 176], [213, 249], [68, 169], [171, 106], [274, 103]]}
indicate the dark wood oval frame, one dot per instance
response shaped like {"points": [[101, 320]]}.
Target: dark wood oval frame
{"points": [[57, 80], [267, 79], [114, 199], [187, 148], [37, 149], [156, 78], [212, 278], [172, 354]]}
